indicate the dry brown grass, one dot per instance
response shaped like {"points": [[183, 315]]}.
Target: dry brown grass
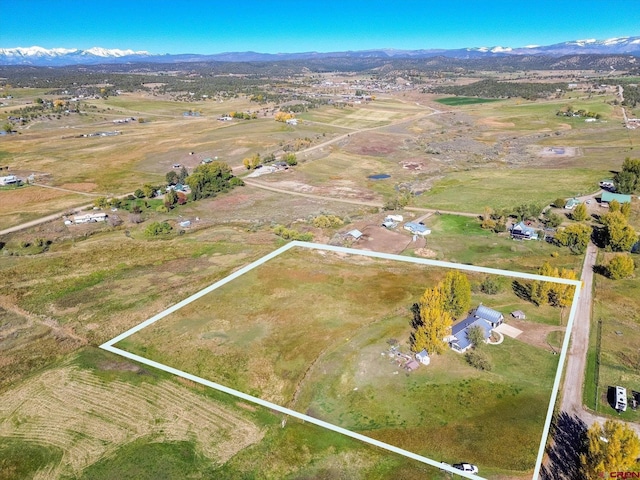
{"points": [[87, 418]]}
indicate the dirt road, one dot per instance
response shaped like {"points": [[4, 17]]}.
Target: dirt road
{"points": [[577, 355]]}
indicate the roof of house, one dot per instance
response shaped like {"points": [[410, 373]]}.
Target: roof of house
{"points": [[517, 313], [619, 197], [460, 330], [488, 314], [572, 202], [416, 227], [523, 228], [422, 354], [412, 365]]}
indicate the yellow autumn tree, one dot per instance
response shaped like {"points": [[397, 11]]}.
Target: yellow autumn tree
{"points": [[283, 116], [612, 447], [456, 290], [435, 322], [541, 289]]}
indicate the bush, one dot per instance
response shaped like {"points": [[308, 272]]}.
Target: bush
{"points": [[490, 286], [157, 228], [479, 360], [327, 221], [236, 182]]}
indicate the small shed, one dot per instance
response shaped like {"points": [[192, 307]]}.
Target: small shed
{"points": [[571, 204], [423, 357], [355, 234], [519, 314], [411, 365]]}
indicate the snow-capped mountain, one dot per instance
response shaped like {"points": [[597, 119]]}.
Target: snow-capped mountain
{"points": [[66, 56], [39, 56]]}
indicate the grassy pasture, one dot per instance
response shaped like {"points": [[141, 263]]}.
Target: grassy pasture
{"points": [[264, 334], [472, 190], [457, 101], [617, 306]]}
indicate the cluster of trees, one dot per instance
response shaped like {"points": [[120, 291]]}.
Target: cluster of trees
{"points": [[496, 220], [434, 313], [552, 293], [173, 178], [283, 116], [252, 162], [612, 447], [570, 112], [618, 236], [495, 89], [397, 201], [156, 229], [255, 160], [631, 96], [628, 179], [244, 115], [579, 213], [575, 236], [210, 179], [327, 221], [292, 234]]}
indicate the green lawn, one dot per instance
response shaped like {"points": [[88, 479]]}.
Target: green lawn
{"points": [[21, 459], [456, 101]]}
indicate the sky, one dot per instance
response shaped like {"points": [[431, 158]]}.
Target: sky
{"points": [[278, 26]]}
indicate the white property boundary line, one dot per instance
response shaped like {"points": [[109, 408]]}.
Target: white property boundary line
{"points": [[109, 346]]}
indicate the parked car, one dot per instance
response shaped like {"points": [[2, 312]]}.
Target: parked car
{"points": [[466, 467]]}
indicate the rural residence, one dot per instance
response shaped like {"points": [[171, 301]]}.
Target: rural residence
{"points": [[608, 197], [571, 204], [522, 231], [485, 318]]}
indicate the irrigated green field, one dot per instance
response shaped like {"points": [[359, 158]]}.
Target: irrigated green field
{"points": [[312, 339]]}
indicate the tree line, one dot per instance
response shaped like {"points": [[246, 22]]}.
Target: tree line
{"points": [[494, 89]]}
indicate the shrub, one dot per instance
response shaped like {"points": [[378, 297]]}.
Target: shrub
{"points": [[478, 359], [157, 228], [620, 266]]}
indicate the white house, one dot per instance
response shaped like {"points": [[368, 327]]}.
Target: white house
{"points": [[417, 228]]}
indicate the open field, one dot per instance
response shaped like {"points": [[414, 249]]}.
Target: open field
{"points": [[86, 416], [457, 101], [210, 338], [614, 330]]}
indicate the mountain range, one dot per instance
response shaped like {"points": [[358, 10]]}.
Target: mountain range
{"points": [[38, 56]]}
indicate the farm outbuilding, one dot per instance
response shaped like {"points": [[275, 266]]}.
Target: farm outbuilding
{"points": [[355, 234], [519, 314]]}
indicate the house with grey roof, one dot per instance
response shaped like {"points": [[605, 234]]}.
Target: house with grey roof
{"points": [[417, 228], [522, 231], [423, 357], [483, 317]]}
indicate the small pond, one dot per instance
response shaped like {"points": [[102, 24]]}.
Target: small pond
{"points": [[378, 176]]}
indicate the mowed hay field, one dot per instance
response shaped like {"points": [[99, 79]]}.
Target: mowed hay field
{"points": [[315, 338], [86, 414]]}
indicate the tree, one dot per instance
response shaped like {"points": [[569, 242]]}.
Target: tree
{"points": [[620, 266], [625, 209], [625, 182], [575, 236], [561, 294], [7, 127], [456, 289], [614, 206], [551, 219], [619, 235], [488, 223], [172, 178], [580, 213], [559, 202], [100, 202], [290, 158], [171, 197], [476, 336], [612, 447], [148, 190], [184, 173], [434, 323], [138, 193]]}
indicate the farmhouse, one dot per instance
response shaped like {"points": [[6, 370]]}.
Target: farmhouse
{"points": [[608, 197], [9, 180], [90, 218], [417, 228], [485, 318], [521, 231]]}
